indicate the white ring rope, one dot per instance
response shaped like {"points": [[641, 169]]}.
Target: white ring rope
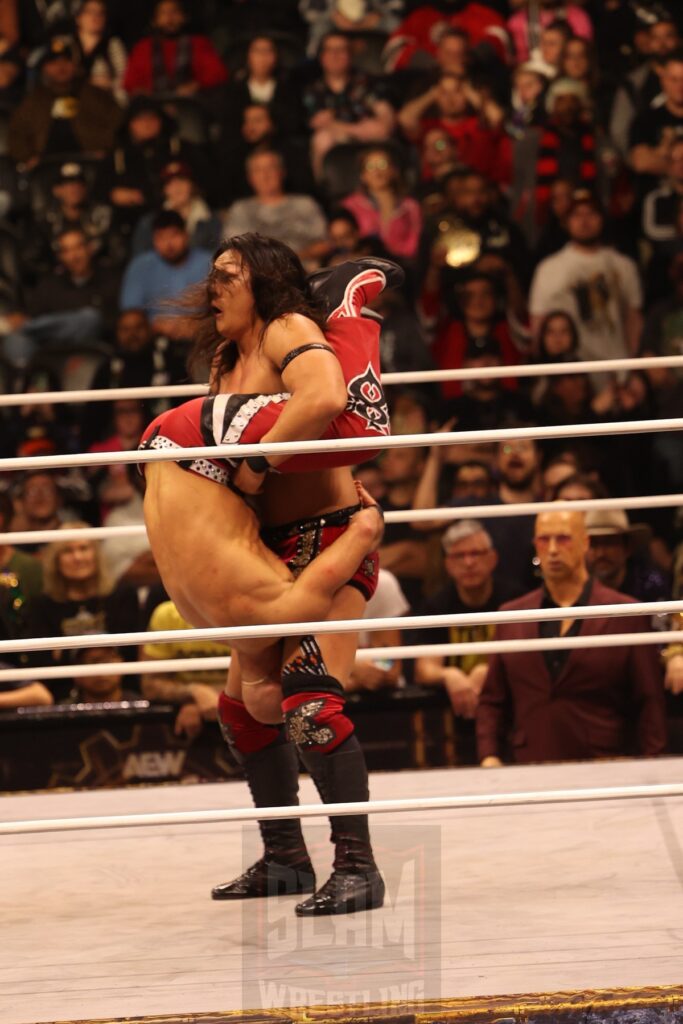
{"points": [[241, 451], [176, 665], [446, 515], [279, 630], [436, 803], [400, 378]]}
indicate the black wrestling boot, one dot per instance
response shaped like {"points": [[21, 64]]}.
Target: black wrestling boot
{"points": [[355, 883], [335, 284], [285, 868]]}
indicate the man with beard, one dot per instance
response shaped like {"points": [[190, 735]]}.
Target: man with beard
{"points": [[618, 556], [165, 272], [64, 113], [170, 60], [598, 286]]}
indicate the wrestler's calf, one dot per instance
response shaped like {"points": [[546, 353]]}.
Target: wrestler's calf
{"points": [[271, 767], [315, 720]]}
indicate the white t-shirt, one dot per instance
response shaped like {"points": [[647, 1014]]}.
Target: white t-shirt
{"points": [[596, 289], [387, 602]]}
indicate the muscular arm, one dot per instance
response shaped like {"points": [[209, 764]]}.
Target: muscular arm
{"points": [[314, 379]]}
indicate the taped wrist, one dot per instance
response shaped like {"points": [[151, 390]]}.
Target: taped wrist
{"points": [[313, 708], [242, 733]]}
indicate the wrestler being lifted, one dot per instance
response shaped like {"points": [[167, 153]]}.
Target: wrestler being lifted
{"points": [[292, 360]]}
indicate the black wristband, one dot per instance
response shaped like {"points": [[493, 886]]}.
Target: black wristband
{"points": [[258, 463]]}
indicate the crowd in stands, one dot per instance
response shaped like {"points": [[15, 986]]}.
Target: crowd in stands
{"points": [[521, 159]]}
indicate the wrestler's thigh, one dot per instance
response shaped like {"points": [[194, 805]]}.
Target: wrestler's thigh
{"points": [[338, 649]]}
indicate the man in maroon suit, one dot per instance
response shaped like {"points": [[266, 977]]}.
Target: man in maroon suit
{"points": [[570, 705]]}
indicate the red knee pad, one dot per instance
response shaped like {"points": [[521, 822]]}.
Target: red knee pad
{"points": [[241, 730], [316, 721]]}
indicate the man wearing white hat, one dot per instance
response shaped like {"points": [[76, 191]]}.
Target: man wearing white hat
{"points": [[617, 558]]}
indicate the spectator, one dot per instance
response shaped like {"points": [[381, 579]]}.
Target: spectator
{"points": [[578, 62], [77, 599], [100, 689], [381, 206], [472, 235], [153, 278], [262, 84], [388, 602], [420, 32], [70, 207], [560, 468], [565, 146], [579, 487], [438, 156], [64, 113], [180, 193], [343, 105], [617, 556], [552, 41], [21, 575], [526, 24], [570, 705], [470, 560], [171, 60], [129, 560], [259, 129], [325, 16], [592, 282], [102, 56], [481, 330], [71, 308], [662, 222], [128, 419], [39, 504], [655, 128], [553, 235], [642, 85], [140, 359], [471, 119], [130, 179], [529, 82], [195, 693], [404, 550], [296, 220]]}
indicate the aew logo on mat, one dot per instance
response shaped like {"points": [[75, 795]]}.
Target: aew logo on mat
{"points": [[366, 399]]}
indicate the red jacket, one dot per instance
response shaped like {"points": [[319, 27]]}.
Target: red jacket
{"points": [[206, 67], [486, 150], [420, 31], [601, 695]]}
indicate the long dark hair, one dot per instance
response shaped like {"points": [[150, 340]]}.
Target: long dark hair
{"points": [[279, 287]]}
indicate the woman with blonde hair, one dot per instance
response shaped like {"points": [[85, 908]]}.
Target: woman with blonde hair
{"points": [[77, 598]]}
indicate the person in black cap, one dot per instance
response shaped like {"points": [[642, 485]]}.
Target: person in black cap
{"points": [[68, 207], [63, 113]]}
